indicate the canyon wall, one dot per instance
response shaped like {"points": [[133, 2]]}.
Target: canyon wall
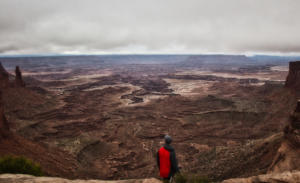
{"points": [[288, 155]]}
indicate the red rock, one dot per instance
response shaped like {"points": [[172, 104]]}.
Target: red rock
{"points": [[19, 80], [4, 127], [293, 78], [298, 107], [4, 80], [287, 157]]}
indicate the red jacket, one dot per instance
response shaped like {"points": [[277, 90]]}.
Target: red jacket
{"points": [[166, 161]]}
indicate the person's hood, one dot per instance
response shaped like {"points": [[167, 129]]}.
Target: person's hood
{"points": [[168, 147]]}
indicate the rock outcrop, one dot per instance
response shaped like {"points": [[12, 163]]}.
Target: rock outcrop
{"points": [[285, 177], [292, 131], [4, 127], [293, 78], [288, 155], [285, 167], [19, 80], [4, 77], [298, 107], [19, 178]]}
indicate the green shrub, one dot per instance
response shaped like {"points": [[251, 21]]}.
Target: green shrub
{"points": [[198, 179], [166, 181], [180, 178], [22, 165]]}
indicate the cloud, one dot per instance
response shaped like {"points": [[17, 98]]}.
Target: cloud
{"points": [[142, 26]]}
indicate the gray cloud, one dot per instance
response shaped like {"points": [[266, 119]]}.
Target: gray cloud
{"points": [[143, 26]]}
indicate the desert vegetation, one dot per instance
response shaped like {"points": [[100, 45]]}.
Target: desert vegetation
{"points": [[190, 178], [19, 165]]}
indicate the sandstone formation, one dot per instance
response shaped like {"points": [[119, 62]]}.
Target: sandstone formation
{"points": [[285, 177], [19, 81], [19, 178], [288, 156], [293, 78], [4, 80]]}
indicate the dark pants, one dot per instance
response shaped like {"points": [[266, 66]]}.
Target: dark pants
{"points": [[166, 180]]}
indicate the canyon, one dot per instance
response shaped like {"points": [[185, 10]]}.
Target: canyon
{"points": [[104, 117]]}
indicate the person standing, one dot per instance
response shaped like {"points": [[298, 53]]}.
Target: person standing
{"points": [[166, 160]]}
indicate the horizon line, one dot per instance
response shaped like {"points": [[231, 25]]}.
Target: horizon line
{"points": [[144, 54]]}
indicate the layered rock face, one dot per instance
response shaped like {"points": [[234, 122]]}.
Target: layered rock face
{"points": [[4, 80], [19, 80], [288, 155], [293, 78]]}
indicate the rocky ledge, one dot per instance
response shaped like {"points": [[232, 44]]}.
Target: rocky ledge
{"points": [[285, 177], [20, 178]]}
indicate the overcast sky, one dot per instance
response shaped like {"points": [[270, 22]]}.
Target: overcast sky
{"points": [[149, 26]]}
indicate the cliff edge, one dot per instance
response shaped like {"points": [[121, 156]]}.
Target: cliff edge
{"points": [[20, 178], [285, 177]]}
